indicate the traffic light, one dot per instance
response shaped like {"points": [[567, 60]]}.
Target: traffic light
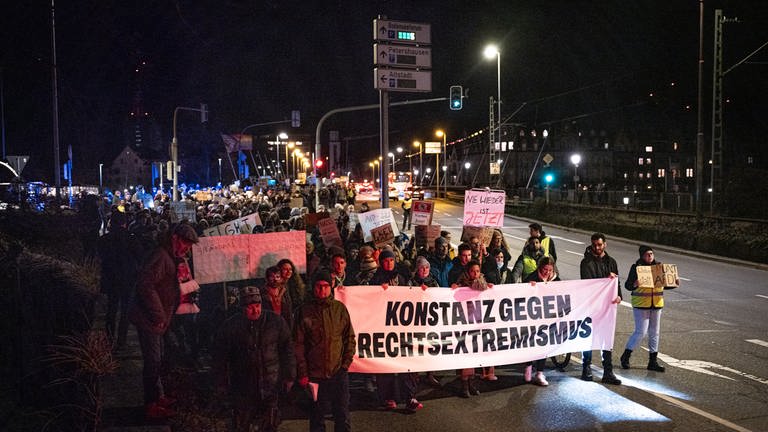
{"points": [[456, 95], [549, 177], [318, 163]]}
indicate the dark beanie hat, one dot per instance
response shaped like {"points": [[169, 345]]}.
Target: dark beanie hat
{"points": [[249, 295], [386, 253], [643, 249], [321, 275]]}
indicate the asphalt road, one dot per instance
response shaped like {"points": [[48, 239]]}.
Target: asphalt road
{"points": [[714, 343]]}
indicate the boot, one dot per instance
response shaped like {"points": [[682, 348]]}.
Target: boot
{"points": [[653, 364], [608, 376], [464, 389], [625, 358], [586, 371], [472, 389]]}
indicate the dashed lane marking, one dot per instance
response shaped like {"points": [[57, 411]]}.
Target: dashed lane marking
{"points": [[758, 342], [761, 296], [575, 253]]}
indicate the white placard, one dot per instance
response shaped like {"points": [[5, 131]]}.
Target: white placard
{"points": [[484, 208], [244, 225], [376, 218]]}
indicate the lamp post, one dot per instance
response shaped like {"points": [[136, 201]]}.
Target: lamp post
{"points": [[220, 171], [440, 134], [392, 155], [281, 135], [421, 156], [467, 165], [101, 183], [575, 160], [373, 173], [490, 52]]}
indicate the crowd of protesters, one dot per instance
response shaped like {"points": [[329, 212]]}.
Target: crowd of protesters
{"points": [[289, 329]]}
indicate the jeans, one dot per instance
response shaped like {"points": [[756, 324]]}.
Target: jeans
{"points": [[152, 353], [336, 391], [646, 322]]}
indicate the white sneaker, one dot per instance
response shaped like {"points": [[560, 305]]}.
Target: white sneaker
{"points": [[540, 380], [528, 373]]}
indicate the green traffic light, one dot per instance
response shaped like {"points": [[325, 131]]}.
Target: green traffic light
{"points": [[549, 178]]}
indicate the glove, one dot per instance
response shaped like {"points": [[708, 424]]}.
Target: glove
{"points": [[304, 381]]}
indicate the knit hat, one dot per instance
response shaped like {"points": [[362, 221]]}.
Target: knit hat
{"points": [[249, 295], [321, 275], [643, 249], [367, 262], [440, 241], [386, 253]]}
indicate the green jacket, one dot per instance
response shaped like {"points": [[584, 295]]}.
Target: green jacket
{"points": [[324, 340]]}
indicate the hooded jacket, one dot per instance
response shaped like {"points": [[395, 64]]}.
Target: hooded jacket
{"points": [[593, 267], [324, 340]]}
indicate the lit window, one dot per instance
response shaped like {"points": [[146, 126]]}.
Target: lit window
{"points": [[647, 161], [640, 161], [674, 146], [649, 149], [660, 173], [606, 146], [640, 175], [689, 172], [648, 175]]}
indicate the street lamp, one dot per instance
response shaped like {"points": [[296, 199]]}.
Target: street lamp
{"points": [[421, 155], [284, 136], [440, 134], [101, 183], [373, 173], [490, 52], [575, 160], [219, 170]]}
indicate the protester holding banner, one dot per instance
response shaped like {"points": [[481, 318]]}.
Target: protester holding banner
{"points": [[459, 264], [598, 264], [422, 277], [526, 262], [297, 290], [324, 342], [545, 272], [647, 303], [547, 244], [366, 264], [473, 278]]}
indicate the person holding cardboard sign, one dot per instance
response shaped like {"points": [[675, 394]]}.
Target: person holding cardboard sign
{"points": [[647, 302]]}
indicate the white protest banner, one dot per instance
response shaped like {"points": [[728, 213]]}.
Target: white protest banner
{"points": [[422, 212], [244, 225], [376, 218], [181, 210], [407, 329], [329, 232], [483, 207], [246, 256]]}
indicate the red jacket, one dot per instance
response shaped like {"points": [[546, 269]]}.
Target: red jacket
{"points": [[157, 292]]}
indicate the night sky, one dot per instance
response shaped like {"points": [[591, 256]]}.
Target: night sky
{"points": [[255, 61]]}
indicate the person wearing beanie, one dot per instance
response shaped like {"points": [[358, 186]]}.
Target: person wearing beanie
{"points": [[387, 274], [647, 303], [253, 360], [440, 262], [326, 360], [367, 265]]}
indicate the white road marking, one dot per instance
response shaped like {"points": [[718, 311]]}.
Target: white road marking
{"points": [[758, 342], [684, 279], [760, 295], [707, 368], [568, 240], [575, 253]]}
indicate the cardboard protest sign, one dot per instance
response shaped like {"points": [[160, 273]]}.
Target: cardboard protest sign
{"points": [[244, 225], [353, 221], [310, 219], [657, 276], [383, 235], [422, 212], [484, 208], [329, 232], [376, 218], [297, 202], [426, 235], [181, 210], [230, 258], [483, 233]]}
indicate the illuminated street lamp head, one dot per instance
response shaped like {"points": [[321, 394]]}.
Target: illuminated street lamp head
{"points": [[283, 135], [439, 133], [417, 144], [399, 149], [576, 159], [491, 51], [467, 165], [390, 154], [370, 164]]}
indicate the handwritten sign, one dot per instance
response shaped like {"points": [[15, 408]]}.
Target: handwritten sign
{"points": [[329, 232], [230, 258], [657, 276], [244, 225], [311, 219], [482, 233], [297, 202], [422, 212], [376, 218], [426, 235], [383, 235], [484, 208]]}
